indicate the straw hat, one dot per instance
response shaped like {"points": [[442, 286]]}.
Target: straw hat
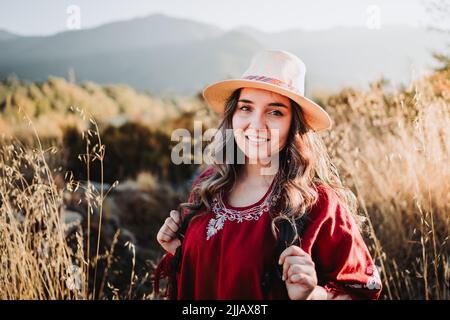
{"points": [[277, 71]]}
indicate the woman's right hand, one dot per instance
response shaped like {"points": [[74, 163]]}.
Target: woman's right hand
{"points": [[167, 236]]}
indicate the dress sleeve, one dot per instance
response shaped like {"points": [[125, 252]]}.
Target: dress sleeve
{"points": [[164, 268], [343, 262]]}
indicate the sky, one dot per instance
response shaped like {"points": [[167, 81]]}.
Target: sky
{"points": [[45, 17]]}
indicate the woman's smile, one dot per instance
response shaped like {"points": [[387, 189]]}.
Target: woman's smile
{"points": [[256, 140]]}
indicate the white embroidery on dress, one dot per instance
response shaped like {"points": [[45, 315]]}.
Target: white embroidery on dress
{"points": [[222, 213], [214, 225]]}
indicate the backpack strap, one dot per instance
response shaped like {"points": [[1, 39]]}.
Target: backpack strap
{"points": [[285, 236], [175, 262]]}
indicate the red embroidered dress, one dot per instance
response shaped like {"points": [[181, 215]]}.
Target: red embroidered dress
{"points": [[224, 254]]}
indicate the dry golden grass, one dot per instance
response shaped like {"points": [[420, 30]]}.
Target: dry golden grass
{"points": [[392, 149], [35, 259], [38, 259]]}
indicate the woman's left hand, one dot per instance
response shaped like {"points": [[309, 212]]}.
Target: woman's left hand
{"points": [[299, 273]]}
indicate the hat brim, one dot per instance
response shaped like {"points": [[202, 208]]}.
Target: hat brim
{"points": [[218, 93]]}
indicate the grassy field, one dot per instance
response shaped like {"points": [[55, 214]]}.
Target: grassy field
{"points": [[75, 144]]}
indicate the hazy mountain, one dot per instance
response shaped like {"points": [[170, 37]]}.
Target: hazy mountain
{"points": [[353, 56], [170, 55], [139, 33], [6, 35]]}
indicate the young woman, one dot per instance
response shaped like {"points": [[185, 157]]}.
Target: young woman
{"points": [[235, 209]]}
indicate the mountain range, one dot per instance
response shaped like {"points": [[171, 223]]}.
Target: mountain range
{"points": [[166, 55]]}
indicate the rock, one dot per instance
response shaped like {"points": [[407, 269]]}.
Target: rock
{"points": [[71, 220]]}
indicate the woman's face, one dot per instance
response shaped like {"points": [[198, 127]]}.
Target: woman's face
{"points": [[261, 123]]}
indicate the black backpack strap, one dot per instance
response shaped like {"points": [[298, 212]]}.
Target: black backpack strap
{"points": [[285, 236], [175, 262]]}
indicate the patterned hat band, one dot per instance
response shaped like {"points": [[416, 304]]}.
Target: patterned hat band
{"points": [[273, 81]]}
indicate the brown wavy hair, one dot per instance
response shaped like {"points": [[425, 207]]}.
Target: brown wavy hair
{"points": [[304, 164]]}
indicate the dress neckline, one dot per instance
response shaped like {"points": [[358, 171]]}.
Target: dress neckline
{"points": [[261, 200]]}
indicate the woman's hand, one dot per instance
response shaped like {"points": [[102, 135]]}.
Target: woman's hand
{"points": [[167, 236], [299, 273]]}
